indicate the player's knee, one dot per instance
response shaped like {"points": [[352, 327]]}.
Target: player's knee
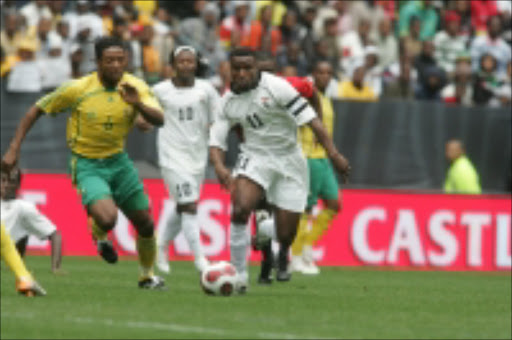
{"points": [[145, 228], [240, 214], [334, 205], [106, 220]]}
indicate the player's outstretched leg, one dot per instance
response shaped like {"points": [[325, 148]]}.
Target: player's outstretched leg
{"points": [[246, 196], [165, 235], [190, 227], [25, 284], [104, 217], [146, 249], [286, 222], [265, 233]]}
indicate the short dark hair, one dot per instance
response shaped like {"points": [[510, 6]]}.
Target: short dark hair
{"points": [[242, 52], [319, 61], [102, 43], [264, 56]]}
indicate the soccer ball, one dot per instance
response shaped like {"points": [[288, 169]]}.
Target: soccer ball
{"points": [[219, 279]]}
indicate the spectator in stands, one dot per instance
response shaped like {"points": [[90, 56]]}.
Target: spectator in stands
{"points": [[481, 11], [425, 12], [202, 34], [56, 67], [355, 88], [352, 45], [344, 19], [45, 37], [83, 14], [360, 10], [331, 36], [411, 43], [290, 29], [463, 9], [460, 90], [25, 75], [76, 57], [322, 53], [462, 177], [236, 27], [425, 59], [85, 40], [289, 71], [386, 44], [323, 11], [431, 83], [62, 30], [403, 86], [150, 58], [34, 11], [487, 82], [292, 56], [504, 92], [10, 35], [449, 43], [491, 43], [57, 9], [263, 36], [373, 69], [505, 12], [222, 80], [278, 10], [121, 31], [308, 41]]}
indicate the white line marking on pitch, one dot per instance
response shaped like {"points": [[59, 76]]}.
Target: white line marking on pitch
{"points": [[164, 326]]}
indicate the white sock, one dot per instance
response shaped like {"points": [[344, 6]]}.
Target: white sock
{"points": [[169, 231], [239, 240], [190, 228], [267, 228]]}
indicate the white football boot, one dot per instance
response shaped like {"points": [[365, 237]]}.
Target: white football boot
{"points": [[310, 268], [242, 283]]}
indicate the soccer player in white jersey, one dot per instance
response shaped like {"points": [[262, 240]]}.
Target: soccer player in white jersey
{"points": [[22, 219], [271, 162], [190, 106]]}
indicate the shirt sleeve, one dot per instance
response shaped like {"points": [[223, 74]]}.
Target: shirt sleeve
{"points": [[36, 223], [60, 100], [293, 103], [148, 98], [213, 104], [220, 128]]}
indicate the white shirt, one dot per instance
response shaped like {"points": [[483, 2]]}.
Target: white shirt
{"points": [[269, 116], [55, 71], [188, 113], [22, 218], [26, 76]]}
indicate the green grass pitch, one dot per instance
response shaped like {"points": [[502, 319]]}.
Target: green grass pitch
{"points": [[97, 300]]}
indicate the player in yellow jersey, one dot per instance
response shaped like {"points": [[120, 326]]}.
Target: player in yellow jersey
{"points": [[25, 283], [104, 106], [322, 181]]}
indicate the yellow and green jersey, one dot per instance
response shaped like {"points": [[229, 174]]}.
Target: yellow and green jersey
{"points": [[100, 119], [310, 146]]}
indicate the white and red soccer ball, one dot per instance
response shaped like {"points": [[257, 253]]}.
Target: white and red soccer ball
{"points": [[219, 278]]}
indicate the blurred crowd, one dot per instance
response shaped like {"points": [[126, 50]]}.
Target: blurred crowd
{"points": [[456, 51]]}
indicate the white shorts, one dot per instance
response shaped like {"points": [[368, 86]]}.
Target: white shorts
{"points": [[284, 179], [183, 186]]}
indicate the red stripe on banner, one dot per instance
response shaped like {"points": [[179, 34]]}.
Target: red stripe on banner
{"points": [[375, 228]]}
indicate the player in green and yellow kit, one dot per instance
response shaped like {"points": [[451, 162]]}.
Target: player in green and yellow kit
{"points": [[104, 107], [322, 180]]}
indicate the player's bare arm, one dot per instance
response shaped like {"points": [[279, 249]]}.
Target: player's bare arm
{"points": [[314, 101], [143, 124], [217, 157], [10, 158], [131, 96], [338, 160]]}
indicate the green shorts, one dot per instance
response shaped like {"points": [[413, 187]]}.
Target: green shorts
{"points": [[114, 177], [322, 181]]}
